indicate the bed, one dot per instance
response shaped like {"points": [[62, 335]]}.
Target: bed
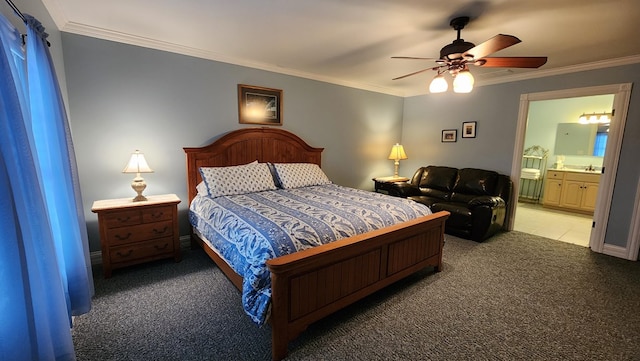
{"points": [[312, 283]]}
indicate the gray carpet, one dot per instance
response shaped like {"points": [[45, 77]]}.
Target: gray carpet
{"points": [[513, 297]]}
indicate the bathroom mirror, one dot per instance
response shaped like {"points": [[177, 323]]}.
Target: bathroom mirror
{"points": [[576, 138]]}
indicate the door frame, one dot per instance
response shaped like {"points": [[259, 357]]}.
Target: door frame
{"points": [[622, 95]]}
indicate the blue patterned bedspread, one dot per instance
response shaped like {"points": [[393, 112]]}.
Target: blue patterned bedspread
{"points": [[248, 229]]}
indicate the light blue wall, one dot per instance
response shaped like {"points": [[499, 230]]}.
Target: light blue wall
{"points": [[426, 116], [125, 97], [495, 108]]}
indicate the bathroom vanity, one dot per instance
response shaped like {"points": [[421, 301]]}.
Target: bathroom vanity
{"points": [[571, 190]]}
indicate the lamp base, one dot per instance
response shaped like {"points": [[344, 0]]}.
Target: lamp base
{"points": [[139, 198], [139, 185]]}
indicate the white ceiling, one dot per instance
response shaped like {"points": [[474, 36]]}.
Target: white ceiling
{"points": [[350, 42]]}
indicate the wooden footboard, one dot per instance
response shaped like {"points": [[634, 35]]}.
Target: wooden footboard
{"points": [[311, 284]]}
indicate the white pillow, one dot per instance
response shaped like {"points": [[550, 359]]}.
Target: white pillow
{"points": [[202, 189], [296, 175], [239, 179]]}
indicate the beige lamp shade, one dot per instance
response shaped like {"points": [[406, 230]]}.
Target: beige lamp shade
{"points": [[397, 153], [137, 164]]}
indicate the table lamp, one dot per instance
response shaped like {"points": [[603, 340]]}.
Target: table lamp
{"points": [[137, 164], [397, 153]]}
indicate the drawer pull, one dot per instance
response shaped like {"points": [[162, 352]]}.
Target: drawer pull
{"points": [[122, 238], [124, 219], [164, 230], [125, 255], [157, 215], [161, 248]]}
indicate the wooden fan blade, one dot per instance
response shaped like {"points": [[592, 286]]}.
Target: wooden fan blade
{"points": [[411, 57], [492, 45], [512, 62], [414, 73]]}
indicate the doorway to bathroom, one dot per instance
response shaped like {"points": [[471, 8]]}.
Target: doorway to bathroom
{"points": [[533, 106], [564, 148]]}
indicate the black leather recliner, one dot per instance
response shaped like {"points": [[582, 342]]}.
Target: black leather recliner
{"points": [[477, 199]]}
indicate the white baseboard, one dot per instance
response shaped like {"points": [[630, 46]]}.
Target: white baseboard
{"points": [[185, 242], [96, 256], [615, 251]]}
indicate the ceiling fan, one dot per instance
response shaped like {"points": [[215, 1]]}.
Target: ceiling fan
{"points": [[456, 57]]}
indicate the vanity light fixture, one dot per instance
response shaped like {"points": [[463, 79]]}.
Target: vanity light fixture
{"points": [[593, 118]]}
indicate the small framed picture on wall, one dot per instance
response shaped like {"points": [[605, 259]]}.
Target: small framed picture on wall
{"points": [[449, 135], [469, 129], [259, 105]]}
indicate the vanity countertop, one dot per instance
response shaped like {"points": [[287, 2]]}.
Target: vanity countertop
{"points": [[577, 170]]}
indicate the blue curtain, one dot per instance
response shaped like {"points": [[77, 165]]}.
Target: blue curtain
{"points": [[45, 275], [600, 144]]}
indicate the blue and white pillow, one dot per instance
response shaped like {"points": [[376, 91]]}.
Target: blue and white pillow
{"points": [[202, 190], [296, 175], [240, 179]]}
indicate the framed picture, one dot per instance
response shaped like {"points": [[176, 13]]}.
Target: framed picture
{"points": [[259, 105], [449, 135], [469, 129]]}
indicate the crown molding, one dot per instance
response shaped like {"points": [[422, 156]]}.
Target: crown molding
{"points": [[105, 34], [541, 73], [609, 63]]}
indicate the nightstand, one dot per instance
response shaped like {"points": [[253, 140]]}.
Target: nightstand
{"points": [[136, 232], [383, 184]]}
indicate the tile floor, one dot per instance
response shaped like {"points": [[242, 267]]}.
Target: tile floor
{"points": [[564, 226]]}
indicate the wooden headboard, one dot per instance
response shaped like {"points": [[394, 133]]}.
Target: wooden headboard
{"points": [[246, 145]]}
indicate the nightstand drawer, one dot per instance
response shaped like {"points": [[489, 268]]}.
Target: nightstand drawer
{"points": [[122, 218], [143, 250], [141, 232], [157, 214]]}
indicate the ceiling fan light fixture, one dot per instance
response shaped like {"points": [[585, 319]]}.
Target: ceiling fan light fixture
{"points": [[438, 84], [463, 81], [455, 58]]}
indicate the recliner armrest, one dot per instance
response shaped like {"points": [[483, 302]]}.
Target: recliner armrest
{"points": [[489, 201], [404, 189]]}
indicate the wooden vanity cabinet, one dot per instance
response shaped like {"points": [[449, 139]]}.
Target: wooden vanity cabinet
{"points": [[574, 191], [552, 188]]}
